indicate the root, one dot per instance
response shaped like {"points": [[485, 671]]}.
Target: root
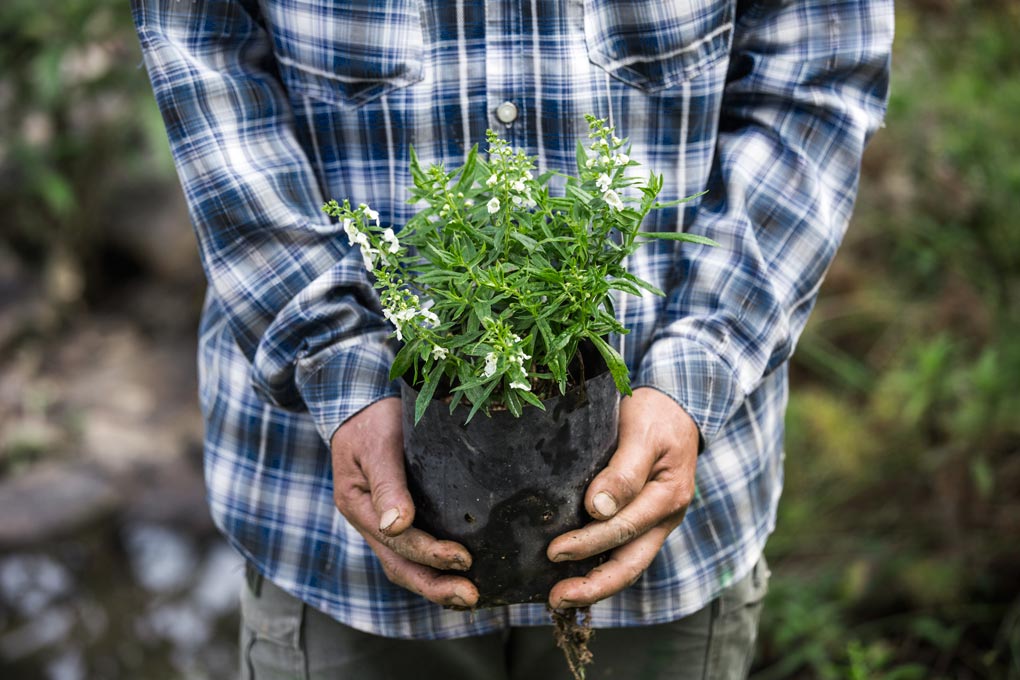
{"points": [[572, 631]]}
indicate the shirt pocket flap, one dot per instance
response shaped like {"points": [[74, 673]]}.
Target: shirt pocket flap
{"points": [[654, 45], [347, 52]]}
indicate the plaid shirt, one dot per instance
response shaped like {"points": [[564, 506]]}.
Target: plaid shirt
{"points": [[272, 106]]}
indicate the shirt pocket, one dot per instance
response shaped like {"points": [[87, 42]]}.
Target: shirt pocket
{"points": [[347, 52], [654, 45]]}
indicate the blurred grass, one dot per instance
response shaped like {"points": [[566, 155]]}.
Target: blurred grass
{"points": [[898, 541]]}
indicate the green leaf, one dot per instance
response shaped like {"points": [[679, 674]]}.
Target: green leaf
{"points": [[582, 156], [467, 172], [425, 396], [531, 399], [625, 286], [513, 402], [526, 241], [644, 284], [403, 361], [480, 402], [670, 204], [679, 236], [482, 309], [580, 194], [617, 366]]}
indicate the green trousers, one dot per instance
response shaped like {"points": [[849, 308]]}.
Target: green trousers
{"points": [[283, 638]]}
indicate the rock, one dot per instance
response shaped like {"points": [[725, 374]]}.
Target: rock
{"points": [[51, 501]]}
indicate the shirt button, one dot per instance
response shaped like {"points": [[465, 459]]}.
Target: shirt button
{"points": [[506, 112]]}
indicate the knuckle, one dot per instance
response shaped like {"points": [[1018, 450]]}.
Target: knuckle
{"points": [[626, 530]]}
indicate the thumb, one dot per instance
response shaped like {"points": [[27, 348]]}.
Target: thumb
{"points": [[375, 438], [625, 475], [390, 497]]}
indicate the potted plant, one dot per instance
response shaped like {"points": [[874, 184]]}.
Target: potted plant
{"points": [[501, 295]]}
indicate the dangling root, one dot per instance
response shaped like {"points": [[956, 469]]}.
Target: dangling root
{"points": [[572, 630]]}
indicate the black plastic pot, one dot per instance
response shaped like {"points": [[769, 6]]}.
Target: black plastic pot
{"points": [[504, 487]]}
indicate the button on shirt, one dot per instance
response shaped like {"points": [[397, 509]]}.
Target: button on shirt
{"points": [[273, 106]]}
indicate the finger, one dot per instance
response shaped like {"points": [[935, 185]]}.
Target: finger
{"points": [[373, 441], [418, 546], [444, 589], [622, 479], [632, 462], [384, 471], [621, 570], [660, 503], [413, 544]]}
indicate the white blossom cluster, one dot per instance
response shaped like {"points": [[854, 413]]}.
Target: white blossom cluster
{"points": [[513, 355], [512, 183], [606, 158], [369, 253]]}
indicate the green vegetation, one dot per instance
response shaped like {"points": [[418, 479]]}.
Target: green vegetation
{"points": [[898, 541], [898, 544], [79, 124]]}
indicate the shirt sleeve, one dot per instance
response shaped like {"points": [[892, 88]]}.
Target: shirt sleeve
{"points": [[297, 298], [806, 88]]}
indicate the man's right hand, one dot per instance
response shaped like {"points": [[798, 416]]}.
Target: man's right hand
{"points": [[370, 490]]}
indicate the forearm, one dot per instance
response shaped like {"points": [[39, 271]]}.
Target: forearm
{"points": [[806, 89], [298, 302]]}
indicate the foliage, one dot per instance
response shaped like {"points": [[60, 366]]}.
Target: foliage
{"points": [[494, 283], [79, 122], [896, 540], [895, 551]]}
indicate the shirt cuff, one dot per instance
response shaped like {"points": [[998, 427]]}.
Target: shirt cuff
{"points": [[352, 378], [697, 379]]}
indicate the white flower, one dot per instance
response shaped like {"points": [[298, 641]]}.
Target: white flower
{"points": [[612, 199], [490, 365], [622, 159], [439, 352], [493, 178], [518, 385], [528, 175], [430, 317], [531, 203], [493, 205], [391, 238], [351, 231], [369, 213], [406, 314], [603, 182], [367, 256], [519, 186], [591, 162], [617, 141], [520, 358], [518, 201], [391, 317]]}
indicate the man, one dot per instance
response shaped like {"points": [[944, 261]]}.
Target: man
{"points": [[272, 106]]}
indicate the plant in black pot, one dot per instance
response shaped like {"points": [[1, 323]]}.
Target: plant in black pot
{"points": [[501, 294]]}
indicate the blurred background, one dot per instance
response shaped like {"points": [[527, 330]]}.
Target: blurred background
{"points": [[897, 552]]}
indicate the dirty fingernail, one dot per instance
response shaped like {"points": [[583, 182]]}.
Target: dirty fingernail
{"points": [[604, 504], [458, 601], [388, 518], [457, 562], [562, 557]]}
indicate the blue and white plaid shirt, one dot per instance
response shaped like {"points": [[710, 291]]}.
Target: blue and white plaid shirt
{"points": [[272, 106]]}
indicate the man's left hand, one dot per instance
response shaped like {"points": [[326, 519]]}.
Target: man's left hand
{"points": [[636, 501]]}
